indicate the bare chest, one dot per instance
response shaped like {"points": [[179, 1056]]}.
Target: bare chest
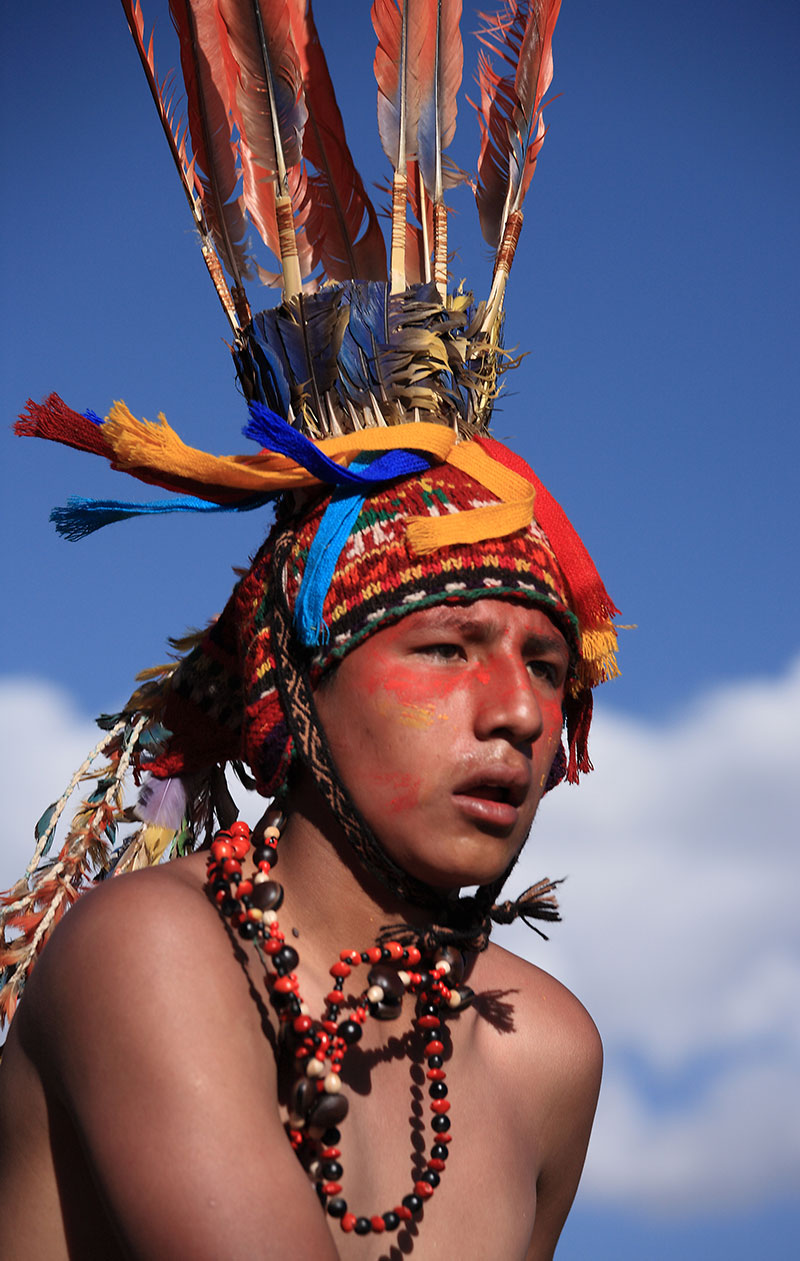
{"points": [[484, 1202]]}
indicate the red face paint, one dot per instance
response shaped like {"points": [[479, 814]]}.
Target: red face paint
{"points": [[444, 726]]}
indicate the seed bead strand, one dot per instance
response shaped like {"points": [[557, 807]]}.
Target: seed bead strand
{"points": [[317, 1104]]}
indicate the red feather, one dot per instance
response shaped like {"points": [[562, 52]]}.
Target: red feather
{"points": [[510, 110], [342, 225], [199, 29]]}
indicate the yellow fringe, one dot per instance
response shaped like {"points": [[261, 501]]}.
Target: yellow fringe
{"points": [[514, 512]]}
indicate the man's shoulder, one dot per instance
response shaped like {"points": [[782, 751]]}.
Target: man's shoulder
{"points": [[554, 1033], [128, 952]]}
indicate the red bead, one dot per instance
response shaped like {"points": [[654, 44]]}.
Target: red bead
{"points": [[403, 1213], [240, 848], [424, 1190], [351, 957], [334, 999], [221, 850], [435, 1163], [330, 1027], [428, 1022], [348, 1222], [245, 888], [374, 954], [378, 1225], [395, 949], [444, 1138], [285, 985], [340, 969], [435, 1074], [333, 1188], [330, 1153], [434, 1048], [272, 945], [265, 867], [231, 866], [413, 956], [440, 1105], [302, 1024], [239, 828], [220, 897]]}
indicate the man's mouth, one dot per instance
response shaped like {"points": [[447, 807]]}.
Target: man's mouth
{"points": [[494, 798]]}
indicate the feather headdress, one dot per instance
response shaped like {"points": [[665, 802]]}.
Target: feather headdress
{"points": [[367, 370]]}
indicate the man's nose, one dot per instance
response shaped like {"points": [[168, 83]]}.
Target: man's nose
{"points": [[508, 705]]}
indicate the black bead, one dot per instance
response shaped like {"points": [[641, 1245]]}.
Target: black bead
{"points": [[431, 1177], [364, 957], [331, 1137], [441, 1124], [337, 1208], [248, 929], [391, 1221], [331, 1171], [321, 1196], [265, 854], [286, 958], [412, 1202], [228, 907], [386, 955], [350, 1030], [435, 1061], [219, 886], [438, 1090], [388, 1010], [363, 1226], [389, 982], [328, 1110], [268, 895], [440, 1151], [429, 1009]]}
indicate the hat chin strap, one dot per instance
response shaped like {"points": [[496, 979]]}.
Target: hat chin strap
{"points": [[464, 918]]}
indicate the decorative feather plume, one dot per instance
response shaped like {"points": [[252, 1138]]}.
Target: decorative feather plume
{"points": [[268, 107], [402, 27], [162, 802], [511, 123], [176, 139], [438, 76], [342, 225], [198, 26]]}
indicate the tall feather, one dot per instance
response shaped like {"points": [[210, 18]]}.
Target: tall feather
{"points": [[511, 122], [439, 77], [199, 30], [268, 107], [176, 139], [401, 27], [342, 225]]}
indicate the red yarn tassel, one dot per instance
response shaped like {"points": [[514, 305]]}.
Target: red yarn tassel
{"points": [[52, 419], [590, 600], [578, 714]]}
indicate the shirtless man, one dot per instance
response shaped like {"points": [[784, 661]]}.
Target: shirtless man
{"points": [[138, 1090], [397, 669]]}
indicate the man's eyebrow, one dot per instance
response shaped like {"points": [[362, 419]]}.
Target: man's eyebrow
{"points": [[481, 629]]}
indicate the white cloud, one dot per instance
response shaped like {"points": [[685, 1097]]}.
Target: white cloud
{"points": [[680, 930], [681, 936]]}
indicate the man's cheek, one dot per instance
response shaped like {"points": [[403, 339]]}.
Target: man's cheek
{"points": [[399, 791]]}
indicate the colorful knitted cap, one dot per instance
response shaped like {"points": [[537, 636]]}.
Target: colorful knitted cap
{"points": [[223, 701]]}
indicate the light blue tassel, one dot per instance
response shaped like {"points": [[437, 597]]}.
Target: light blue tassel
{"points": [[332, 533], [83, 516]]}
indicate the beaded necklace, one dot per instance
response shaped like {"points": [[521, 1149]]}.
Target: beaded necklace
{"points": [[317, 1102]]}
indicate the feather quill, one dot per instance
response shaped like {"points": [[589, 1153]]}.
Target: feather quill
{"points": [[199, 30], [342, 225], [438, 75], [512, 125], [176, 139], [268, 107]]}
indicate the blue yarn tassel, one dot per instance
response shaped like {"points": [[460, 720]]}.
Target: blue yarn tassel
{"points": [[276, 434], [332, 533], [81, 517]]}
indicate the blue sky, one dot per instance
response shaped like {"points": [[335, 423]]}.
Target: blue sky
{"points": [[656, 292]]}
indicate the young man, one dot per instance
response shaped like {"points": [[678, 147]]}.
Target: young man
{"points": [[305, 1046]]}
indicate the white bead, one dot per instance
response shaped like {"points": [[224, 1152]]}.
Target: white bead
{"points": [[260, 877], [405, 977], [254, 913], [455, 999], [375, 994], [305, 1010], [315, 1067], [443, 967], [270, 917], [272, 833], [333, 1084]]}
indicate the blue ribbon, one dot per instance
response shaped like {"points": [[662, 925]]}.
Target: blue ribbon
{"points": [[81, 517]]}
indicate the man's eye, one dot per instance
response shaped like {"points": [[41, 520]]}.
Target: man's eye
{"points": [[546, 670], [446, 652]]}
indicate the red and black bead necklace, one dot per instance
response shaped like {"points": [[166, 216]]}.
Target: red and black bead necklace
{"points": [[317, 1104]]}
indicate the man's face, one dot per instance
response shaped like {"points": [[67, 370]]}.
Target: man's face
{"points": [[444, 727]]}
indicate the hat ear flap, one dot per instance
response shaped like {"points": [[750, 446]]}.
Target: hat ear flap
{"points": [[558, 769]]}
